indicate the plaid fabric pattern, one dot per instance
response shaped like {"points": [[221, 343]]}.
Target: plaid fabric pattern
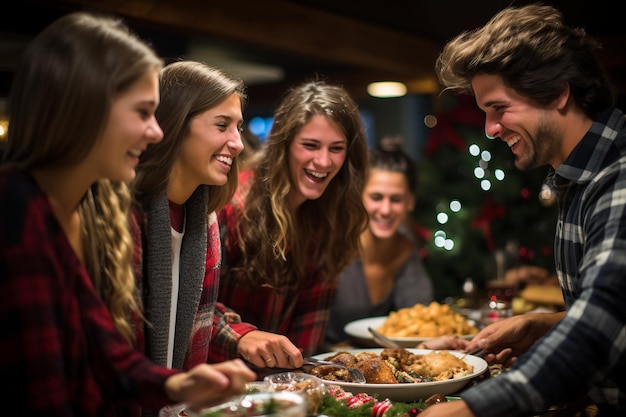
{"points": [[586, 351], [59, 351], [299, 312]]}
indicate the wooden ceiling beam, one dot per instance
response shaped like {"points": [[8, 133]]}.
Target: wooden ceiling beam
{"points": [[287, 28]]}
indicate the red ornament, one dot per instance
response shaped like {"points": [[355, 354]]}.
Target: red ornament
{"points": [[359, 400], [523, 253], [380, 407], [488, 212], [465, 113], [546, 251], [525, 193]]}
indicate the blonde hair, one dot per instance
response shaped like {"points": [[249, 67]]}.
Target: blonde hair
{"points": [[104, 212]]}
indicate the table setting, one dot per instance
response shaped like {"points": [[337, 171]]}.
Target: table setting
{"points": [[338, 383]]}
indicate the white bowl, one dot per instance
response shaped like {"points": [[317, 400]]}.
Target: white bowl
{"points": [[267, 404], [309, 386]]}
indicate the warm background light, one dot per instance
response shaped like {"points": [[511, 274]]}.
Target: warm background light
{"points": [[4, 125], [4, 119], [386, 89]]}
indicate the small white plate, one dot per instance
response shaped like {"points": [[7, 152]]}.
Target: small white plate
{"points": [[411, 392], [358, 329]]}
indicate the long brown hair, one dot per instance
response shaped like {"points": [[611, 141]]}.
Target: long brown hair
{"points": [[188, 88], [276, 247], [61, 98]]}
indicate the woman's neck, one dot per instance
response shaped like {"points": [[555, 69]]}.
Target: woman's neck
{"points": [[374, 248], [65, 190]]}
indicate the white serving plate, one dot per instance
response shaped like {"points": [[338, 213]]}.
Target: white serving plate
{"points": [[358, 329], [411, 392]]}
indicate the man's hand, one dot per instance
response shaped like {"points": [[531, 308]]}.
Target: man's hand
{"points": [[507, 339]]}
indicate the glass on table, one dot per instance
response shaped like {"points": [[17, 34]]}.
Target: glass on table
{"points": [[495, 310]]}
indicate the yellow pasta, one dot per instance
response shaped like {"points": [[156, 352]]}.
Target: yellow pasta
{"points": [[426, 321]]}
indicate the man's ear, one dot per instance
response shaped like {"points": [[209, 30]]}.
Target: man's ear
{"points": [[563, 99]]}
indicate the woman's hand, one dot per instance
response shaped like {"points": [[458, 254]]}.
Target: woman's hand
{"points": [[269, 350], [207, 385], [444, 342]]}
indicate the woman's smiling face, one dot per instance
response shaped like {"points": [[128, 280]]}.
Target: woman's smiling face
{"points": [[316, 154], [388, 200], [131, 128], [214, 140]]}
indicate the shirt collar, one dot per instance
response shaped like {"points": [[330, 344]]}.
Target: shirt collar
{"points": [[590, 155]]}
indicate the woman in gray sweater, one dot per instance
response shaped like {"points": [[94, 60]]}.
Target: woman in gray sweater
{"points": [[388, 274]]}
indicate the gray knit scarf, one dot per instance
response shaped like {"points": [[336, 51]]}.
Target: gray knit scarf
{"points": [[157, 285]]}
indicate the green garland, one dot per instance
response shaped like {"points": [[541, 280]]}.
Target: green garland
{"points": [[334, 407]]}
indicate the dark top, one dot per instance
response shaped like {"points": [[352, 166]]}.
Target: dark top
{"points": [[352, 300], [60, 354]]}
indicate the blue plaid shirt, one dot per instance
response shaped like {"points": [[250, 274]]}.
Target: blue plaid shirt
{"points": [[586, 351]]}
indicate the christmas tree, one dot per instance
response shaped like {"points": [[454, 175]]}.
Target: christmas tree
{"points": [[476, 212]]}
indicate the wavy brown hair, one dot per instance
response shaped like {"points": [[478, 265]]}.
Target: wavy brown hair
{"points": [[277, 247], [61, 98], [534, 52]]}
